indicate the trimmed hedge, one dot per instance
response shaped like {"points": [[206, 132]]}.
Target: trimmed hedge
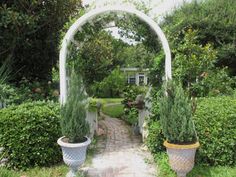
{"points": [[29, 133], [215, 120]]}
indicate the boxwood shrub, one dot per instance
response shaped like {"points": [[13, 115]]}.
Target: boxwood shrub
{"points": [[215, 120], [29, 132]]}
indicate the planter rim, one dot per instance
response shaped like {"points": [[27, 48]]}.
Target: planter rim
{"points": [[178, 146], [72, 145]]}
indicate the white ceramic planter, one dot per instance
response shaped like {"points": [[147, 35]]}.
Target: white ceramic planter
{"points": [[74, 154], [181, 157]]}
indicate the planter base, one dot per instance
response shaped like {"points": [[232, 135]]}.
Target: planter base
{"points": [[71, 173], [181, 157], [74, 155]]}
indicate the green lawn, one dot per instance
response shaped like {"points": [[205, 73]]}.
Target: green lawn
{"points": [[110, 100], [116, 110], [113, 110], [198, 170], [56, 171]]}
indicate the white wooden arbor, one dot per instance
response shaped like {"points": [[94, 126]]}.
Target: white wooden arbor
{"points": [[90, 16]]}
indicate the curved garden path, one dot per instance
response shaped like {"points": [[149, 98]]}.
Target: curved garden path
{"points": [[121, 154]]}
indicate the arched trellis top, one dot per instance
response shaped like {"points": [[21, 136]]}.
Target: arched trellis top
{"points": [[91, 15]]}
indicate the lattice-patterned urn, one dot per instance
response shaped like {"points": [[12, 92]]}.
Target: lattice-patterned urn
{"points": [[181, 157], [74, 154]]}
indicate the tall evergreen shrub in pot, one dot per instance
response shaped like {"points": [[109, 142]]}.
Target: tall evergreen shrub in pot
{"points": [[178, 128], [74, 126]]}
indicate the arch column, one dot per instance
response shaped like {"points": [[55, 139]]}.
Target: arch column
{"points": [[91, 15]]}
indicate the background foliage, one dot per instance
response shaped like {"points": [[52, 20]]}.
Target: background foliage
{"points": [[215, 23], [29, 34], [111, 86]]}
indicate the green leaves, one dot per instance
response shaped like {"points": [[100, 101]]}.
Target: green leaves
{"points": [[155, 137], [192, 59], [29, 132], [111, 86], [29, 34], [215, 120], [73, 113], [215, 23], [176, 114]]}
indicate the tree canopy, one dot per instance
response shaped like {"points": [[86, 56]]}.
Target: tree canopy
{"points": [[29, 34]]}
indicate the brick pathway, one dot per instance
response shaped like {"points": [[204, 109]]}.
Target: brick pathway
{"points": [[121, 154]]}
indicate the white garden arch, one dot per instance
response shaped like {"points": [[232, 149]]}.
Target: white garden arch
{"points": [[91, 15]]}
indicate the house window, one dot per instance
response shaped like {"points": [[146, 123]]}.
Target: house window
{"points": [[132, 80], [141, 79]]}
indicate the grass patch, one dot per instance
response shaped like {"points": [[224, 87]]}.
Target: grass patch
{"points": [[116, 111], [58, 171], [198, 170], [110, 100]]}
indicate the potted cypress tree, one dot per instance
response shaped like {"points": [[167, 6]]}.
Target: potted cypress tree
{"points": [[74, 126], [178, 128]]}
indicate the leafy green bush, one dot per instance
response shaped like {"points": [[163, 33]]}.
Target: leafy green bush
{"points": [[130, 94], [94, 105], [215, 120], [214, 83], [131, 116], [26, 91], [111, 86], [192, 59], [29, 132], [8, 95], [37, 91], [155, 137]]}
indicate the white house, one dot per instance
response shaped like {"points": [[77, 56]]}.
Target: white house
{"points": [[136, 76]]}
